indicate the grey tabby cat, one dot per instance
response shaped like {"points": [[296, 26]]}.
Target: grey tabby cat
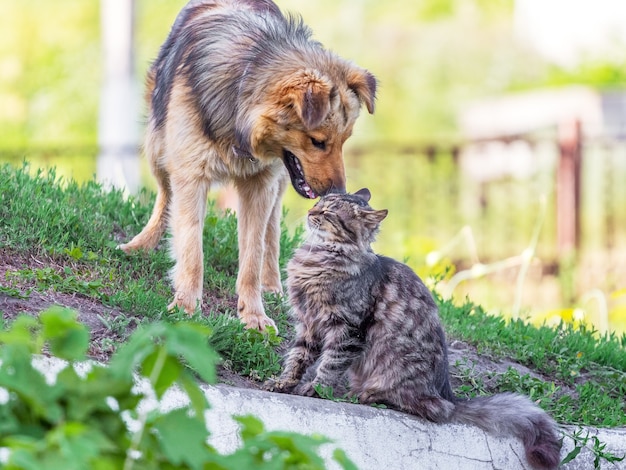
{"points": [[367, 325]]}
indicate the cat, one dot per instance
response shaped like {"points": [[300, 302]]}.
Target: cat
{"points": [[368, 326]]}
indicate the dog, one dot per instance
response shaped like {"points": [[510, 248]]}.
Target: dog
{"points": [[241, 93]]}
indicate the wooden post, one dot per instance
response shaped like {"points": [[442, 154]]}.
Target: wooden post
{"points": [[568, 188], [118, 126]]}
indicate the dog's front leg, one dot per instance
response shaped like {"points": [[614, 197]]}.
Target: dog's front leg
{"points": [[270, 274], [187, 215], [256, 201]]}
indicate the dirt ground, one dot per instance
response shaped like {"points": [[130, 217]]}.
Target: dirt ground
{"points": [[95, 316]]}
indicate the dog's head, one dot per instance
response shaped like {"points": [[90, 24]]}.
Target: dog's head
{"points": [[305, 118]]}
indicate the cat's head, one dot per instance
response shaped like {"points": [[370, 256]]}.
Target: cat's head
{"points": [[345, 219]]}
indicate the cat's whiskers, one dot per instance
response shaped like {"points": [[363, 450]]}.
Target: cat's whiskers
{"points": [[312, 238]]}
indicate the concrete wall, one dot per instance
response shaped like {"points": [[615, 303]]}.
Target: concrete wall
{"points": [[381, 439], [373, 438]]}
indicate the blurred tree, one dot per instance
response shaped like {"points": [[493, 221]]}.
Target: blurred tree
{"points": [[49, 72], [431, 56]]}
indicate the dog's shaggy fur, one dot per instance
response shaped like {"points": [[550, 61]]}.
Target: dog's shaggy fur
{"points": [[241, 93]]}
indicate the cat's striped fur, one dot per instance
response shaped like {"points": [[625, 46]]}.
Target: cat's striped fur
{"points": [[367, 325]]}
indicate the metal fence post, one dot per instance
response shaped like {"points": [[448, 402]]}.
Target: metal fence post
{"points": [[568, 206], [118, 126], [568, 187]]}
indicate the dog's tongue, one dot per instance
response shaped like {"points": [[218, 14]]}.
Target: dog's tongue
{"points": [[309, 192]]}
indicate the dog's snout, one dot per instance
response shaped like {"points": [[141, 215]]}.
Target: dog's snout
{"points": [[334, 187], [335, 190]]}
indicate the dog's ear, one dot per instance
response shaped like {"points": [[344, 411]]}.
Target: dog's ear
{"points": [[363, 84], [243, 131], [309, 94], [250, 130]]}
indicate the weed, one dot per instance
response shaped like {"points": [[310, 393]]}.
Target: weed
{"points": [[473, 383], [328, 393], [12, 292], [535, 388], [592, 443], [62, 281], [248, 352]]}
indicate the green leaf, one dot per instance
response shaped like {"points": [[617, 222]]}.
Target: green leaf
{"points": [[140, 345], [78, 443], [18, 376], [300, 448], [196, 396], [76, 253], [23, 331], [68, 338], [183, 438], [12, 292], [250, 426], [342, 459], [169, 370], [21, 459], [191, 342], [572, 455]]}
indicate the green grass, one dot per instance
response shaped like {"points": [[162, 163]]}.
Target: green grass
{"points": [[585, 375], [61, 237], [66, 235]]}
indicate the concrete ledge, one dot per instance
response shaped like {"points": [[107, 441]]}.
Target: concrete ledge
{"points": [[382, 439], [375, 439]]}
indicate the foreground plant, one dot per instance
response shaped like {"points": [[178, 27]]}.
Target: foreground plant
{"points": [[81, 418]]}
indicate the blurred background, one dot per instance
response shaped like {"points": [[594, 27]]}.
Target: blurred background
{"points": [[498, 143]]}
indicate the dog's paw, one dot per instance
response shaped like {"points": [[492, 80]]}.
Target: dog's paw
{"points": [[133, 246], [259, 322], [186, 303], [126, 248], [254, 318], [145, 241]]}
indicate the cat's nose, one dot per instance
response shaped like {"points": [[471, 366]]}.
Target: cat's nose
{"points": [[315, 211]]}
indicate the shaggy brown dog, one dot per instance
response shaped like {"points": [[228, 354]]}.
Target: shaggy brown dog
{"points": [[241, 93]]}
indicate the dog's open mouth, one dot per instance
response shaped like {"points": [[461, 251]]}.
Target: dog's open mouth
{"points": [[297, 175]]}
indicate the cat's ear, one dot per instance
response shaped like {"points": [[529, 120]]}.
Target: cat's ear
{"points": [[381, 214], [376, 217], [364, 194]]}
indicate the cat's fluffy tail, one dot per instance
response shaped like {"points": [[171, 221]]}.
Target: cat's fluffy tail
{"points": [[514, 415]]}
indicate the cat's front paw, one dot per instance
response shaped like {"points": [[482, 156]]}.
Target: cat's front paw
{"points": [[280, 385], [305, 389]]}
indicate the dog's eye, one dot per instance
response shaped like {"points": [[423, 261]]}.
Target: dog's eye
{"points": [[320, 144]]}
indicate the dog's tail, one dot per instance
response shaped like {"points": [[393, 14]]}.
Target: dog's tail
{"points": [[514, 415]]}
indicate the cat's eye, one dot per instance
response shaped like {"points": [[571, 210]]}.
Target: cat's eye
{"points": [[319, 144]]}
